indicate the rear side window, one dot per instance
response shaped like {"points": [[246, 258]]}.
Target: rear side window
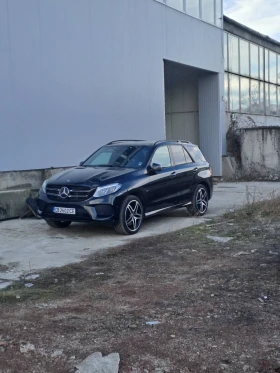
{"points": [[188, 158], [178, 154], [196, 154]]}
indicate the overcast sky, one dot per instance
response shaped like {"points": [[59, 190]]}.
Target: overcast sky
{"points": [[260, 15]]}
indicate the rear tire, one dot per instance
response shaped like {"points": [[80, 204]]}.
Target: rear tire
{"points": [[131, 216], [57, 223], [199, 204]]}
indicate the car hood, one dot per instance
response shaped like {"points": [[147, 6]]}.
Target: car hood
{"points": [[90, 175]]}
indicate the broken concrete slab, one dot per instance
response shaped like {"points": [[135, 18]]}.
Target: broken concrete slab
{"points": [[96, 363], [12, 202], [5, 284]]}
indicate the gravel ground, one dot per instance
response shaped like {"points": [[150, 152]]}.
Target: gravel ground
{"points": [[216, 304]]}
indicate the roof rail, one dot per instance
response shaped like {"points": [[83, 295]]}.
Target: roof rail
{"points": [[112, 142], [159, 141], [185, 141]]}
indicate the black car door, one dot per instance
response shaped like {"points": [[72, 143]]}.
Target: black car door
{"points": [[161, 186], [185, 171]]}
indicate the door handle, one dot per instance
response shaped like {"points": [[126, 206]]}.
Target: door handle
{"points": [[173, 174], [195, 170]]}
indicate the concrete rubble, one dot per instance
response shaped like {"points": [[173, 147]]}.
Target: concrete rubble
{"points": [[220, 239], [96, 363], [5, 284]]}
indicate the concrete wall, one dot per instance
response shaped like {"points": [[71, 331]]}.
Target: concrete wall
{"points": [[260, 153], [254, 153], [33, 179], [251, 120], [77, 74], [17, 186]]}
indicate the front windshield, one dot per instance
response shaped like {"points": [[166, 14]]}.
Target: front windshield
{"points": [[119, 156]]}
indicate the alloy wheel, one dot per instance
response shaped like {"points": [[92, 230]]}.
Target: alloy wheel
{"points": [[133, 215], [202, 200]]}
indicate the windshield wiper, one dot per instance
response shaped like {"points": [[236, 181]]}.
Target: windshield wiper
{"points": [[101, 165]]}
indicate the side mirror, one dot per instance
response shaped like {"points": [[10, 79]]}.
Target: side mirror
{"points": [[81, 163], [154, 168]]}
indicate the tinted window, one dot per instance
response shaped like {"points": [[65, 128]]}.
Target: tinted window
{"points": [[196, 154], [162, 157], [178, 154], [119, 156]]}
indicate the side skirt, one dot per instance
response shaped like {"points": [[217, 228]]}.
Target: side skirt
{"points": [[166, 209]]}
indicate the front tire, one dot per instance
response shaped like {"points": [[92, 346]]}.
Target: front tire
{"points": [[57, 223], [199, 204], [131, 216]]}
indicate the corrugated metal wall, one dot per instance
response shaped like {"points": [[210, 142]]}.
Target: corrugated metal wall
{"points": [[210, 120], [76, 74]]}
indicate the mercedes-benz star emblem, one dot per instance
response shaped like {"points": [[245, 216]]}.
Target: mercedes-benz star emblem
{"points": [[64, 192]]}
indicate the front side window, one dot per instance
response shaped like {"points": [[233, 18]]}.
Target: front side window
{"points": [[119, 156], [162, 157]]}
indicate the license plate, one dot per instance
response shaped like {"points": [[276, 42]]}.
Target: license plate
{"points": [[64, 210]]}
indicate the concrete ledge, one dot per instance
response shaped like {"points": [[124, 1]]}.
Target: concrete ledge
{"points": [[12, 202], [31, 179]]}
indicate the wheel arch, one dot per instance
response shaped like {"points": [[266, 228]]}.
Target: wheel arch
{"points": [[137, 193]]}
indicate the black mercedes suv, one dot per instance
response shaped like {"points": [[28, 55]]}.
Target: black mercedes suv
{"points": [[125, 181]]}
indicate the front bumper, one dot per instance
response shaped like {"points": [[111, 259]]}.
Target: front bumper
{"points": [[103, 209]]}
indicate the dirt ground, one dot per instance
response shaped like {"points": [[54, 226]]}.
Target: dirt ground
{"points": [[217, 304]]}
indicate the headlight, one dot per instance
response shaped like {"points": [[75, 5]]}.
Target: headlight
{"points": [[44, 187], [107, 189]]}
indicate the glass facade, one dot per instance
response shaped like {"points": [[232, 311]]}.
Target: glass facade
{"points": [[244, 57], [254, 61], [252, 77], [210, 11], [233, 54], [176, 4], [234, 93]]}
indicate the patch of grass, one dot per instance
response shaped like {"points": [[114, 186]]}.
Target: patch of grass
{"points": [[268, 207], [18, 293]]}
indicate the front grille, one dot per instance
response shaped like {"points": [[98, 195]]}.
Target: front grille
{"points": [[76, 193]]}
